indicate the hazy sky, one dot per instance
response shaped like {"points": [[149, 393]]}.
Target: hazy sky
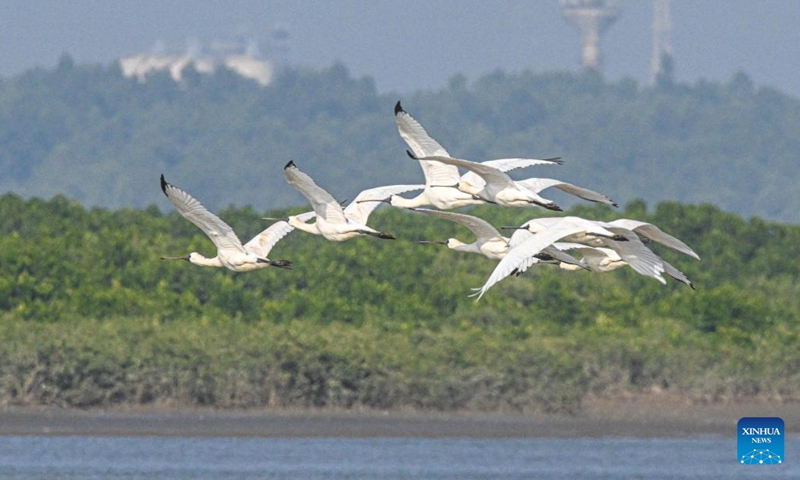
{"points": [[411, 44]]}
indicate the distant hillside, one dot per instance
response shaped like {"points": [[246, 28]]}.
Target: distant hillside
{"points": [[90, 133]]}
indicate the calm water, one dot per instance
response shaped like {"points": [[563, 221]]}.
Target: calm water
{"points": [[234, 458]]}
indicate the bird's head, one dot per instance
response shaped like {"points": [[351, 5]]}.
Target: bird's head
{"points": [[467, 187]]}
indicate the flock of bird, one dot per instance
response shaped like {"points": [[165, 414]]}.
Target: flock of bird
{"points": [[572, 243]]}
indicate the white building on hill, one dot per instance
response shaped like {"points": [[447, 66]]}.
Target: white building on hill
{"points": [[240, 56]]}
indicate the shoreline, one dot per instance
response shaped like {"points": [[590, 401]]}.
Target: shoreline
{"points": [[644, 417]]}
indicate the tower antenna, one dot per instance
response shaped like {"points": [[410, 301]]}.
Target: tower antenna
{"points": [[591, 18]]}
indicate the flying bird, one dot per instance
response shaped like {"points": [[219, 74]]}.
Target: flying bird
{"points": [[623, 241], [489, 241], [231, 254], [534, 236], [602, 259], [497, 186], [332, 221], [441, 180]]}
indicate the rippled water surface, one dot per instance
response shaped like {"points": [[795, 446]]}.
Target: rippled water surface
{"points": [[46, 457]]}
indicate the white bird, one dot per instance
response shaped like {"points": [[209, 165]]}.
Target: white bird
{"points": [[441, 180], [334, 222], [601, 259], [625, 242], [489, 241], [534, 236], [498, 187], [231, 254]]}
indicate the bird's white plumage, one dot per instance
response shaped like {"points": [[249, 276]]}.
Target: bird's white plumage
{"points": [[505, 165], [325, 206], [334, 222], [489, 241], [230, 251], [441, 180], [368, 200], [540, 184], [654, 233], [263, 243], [498, 188], [601, 259], [600, 234], [191, 209], [584, 230], [520, 255]]}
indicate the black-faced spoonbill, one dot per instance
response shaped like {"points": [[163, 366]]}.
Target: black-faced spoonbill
{"points": [[231, 254]]}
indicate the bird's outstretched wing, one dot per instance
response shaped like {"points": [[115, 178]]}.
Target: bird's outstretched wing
{"points": [[480, 227], [677, 274], [263, 243], [323, 203], [507, 165], [360, 209], [218, 231], [539, 184], [519, 258], [640, 258], [489, 173], [656, 234], [563, 257], [423, 145]]}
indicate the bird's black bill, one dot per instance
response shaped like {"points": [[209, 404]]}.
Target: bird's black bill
{"points": [[281, 264], [185, 257], [551, 206]]}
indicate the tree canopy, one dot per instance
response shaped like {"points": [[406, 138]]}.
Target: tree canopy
{"points": [[95, 136]]}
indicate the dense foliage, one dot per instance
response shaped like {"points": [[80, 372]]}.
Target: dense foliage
{"points": [[90, 133], [90, 316]]}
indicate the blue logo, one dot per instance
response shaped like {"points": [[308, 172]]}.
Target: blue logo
{"points": [[761, 441]]}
